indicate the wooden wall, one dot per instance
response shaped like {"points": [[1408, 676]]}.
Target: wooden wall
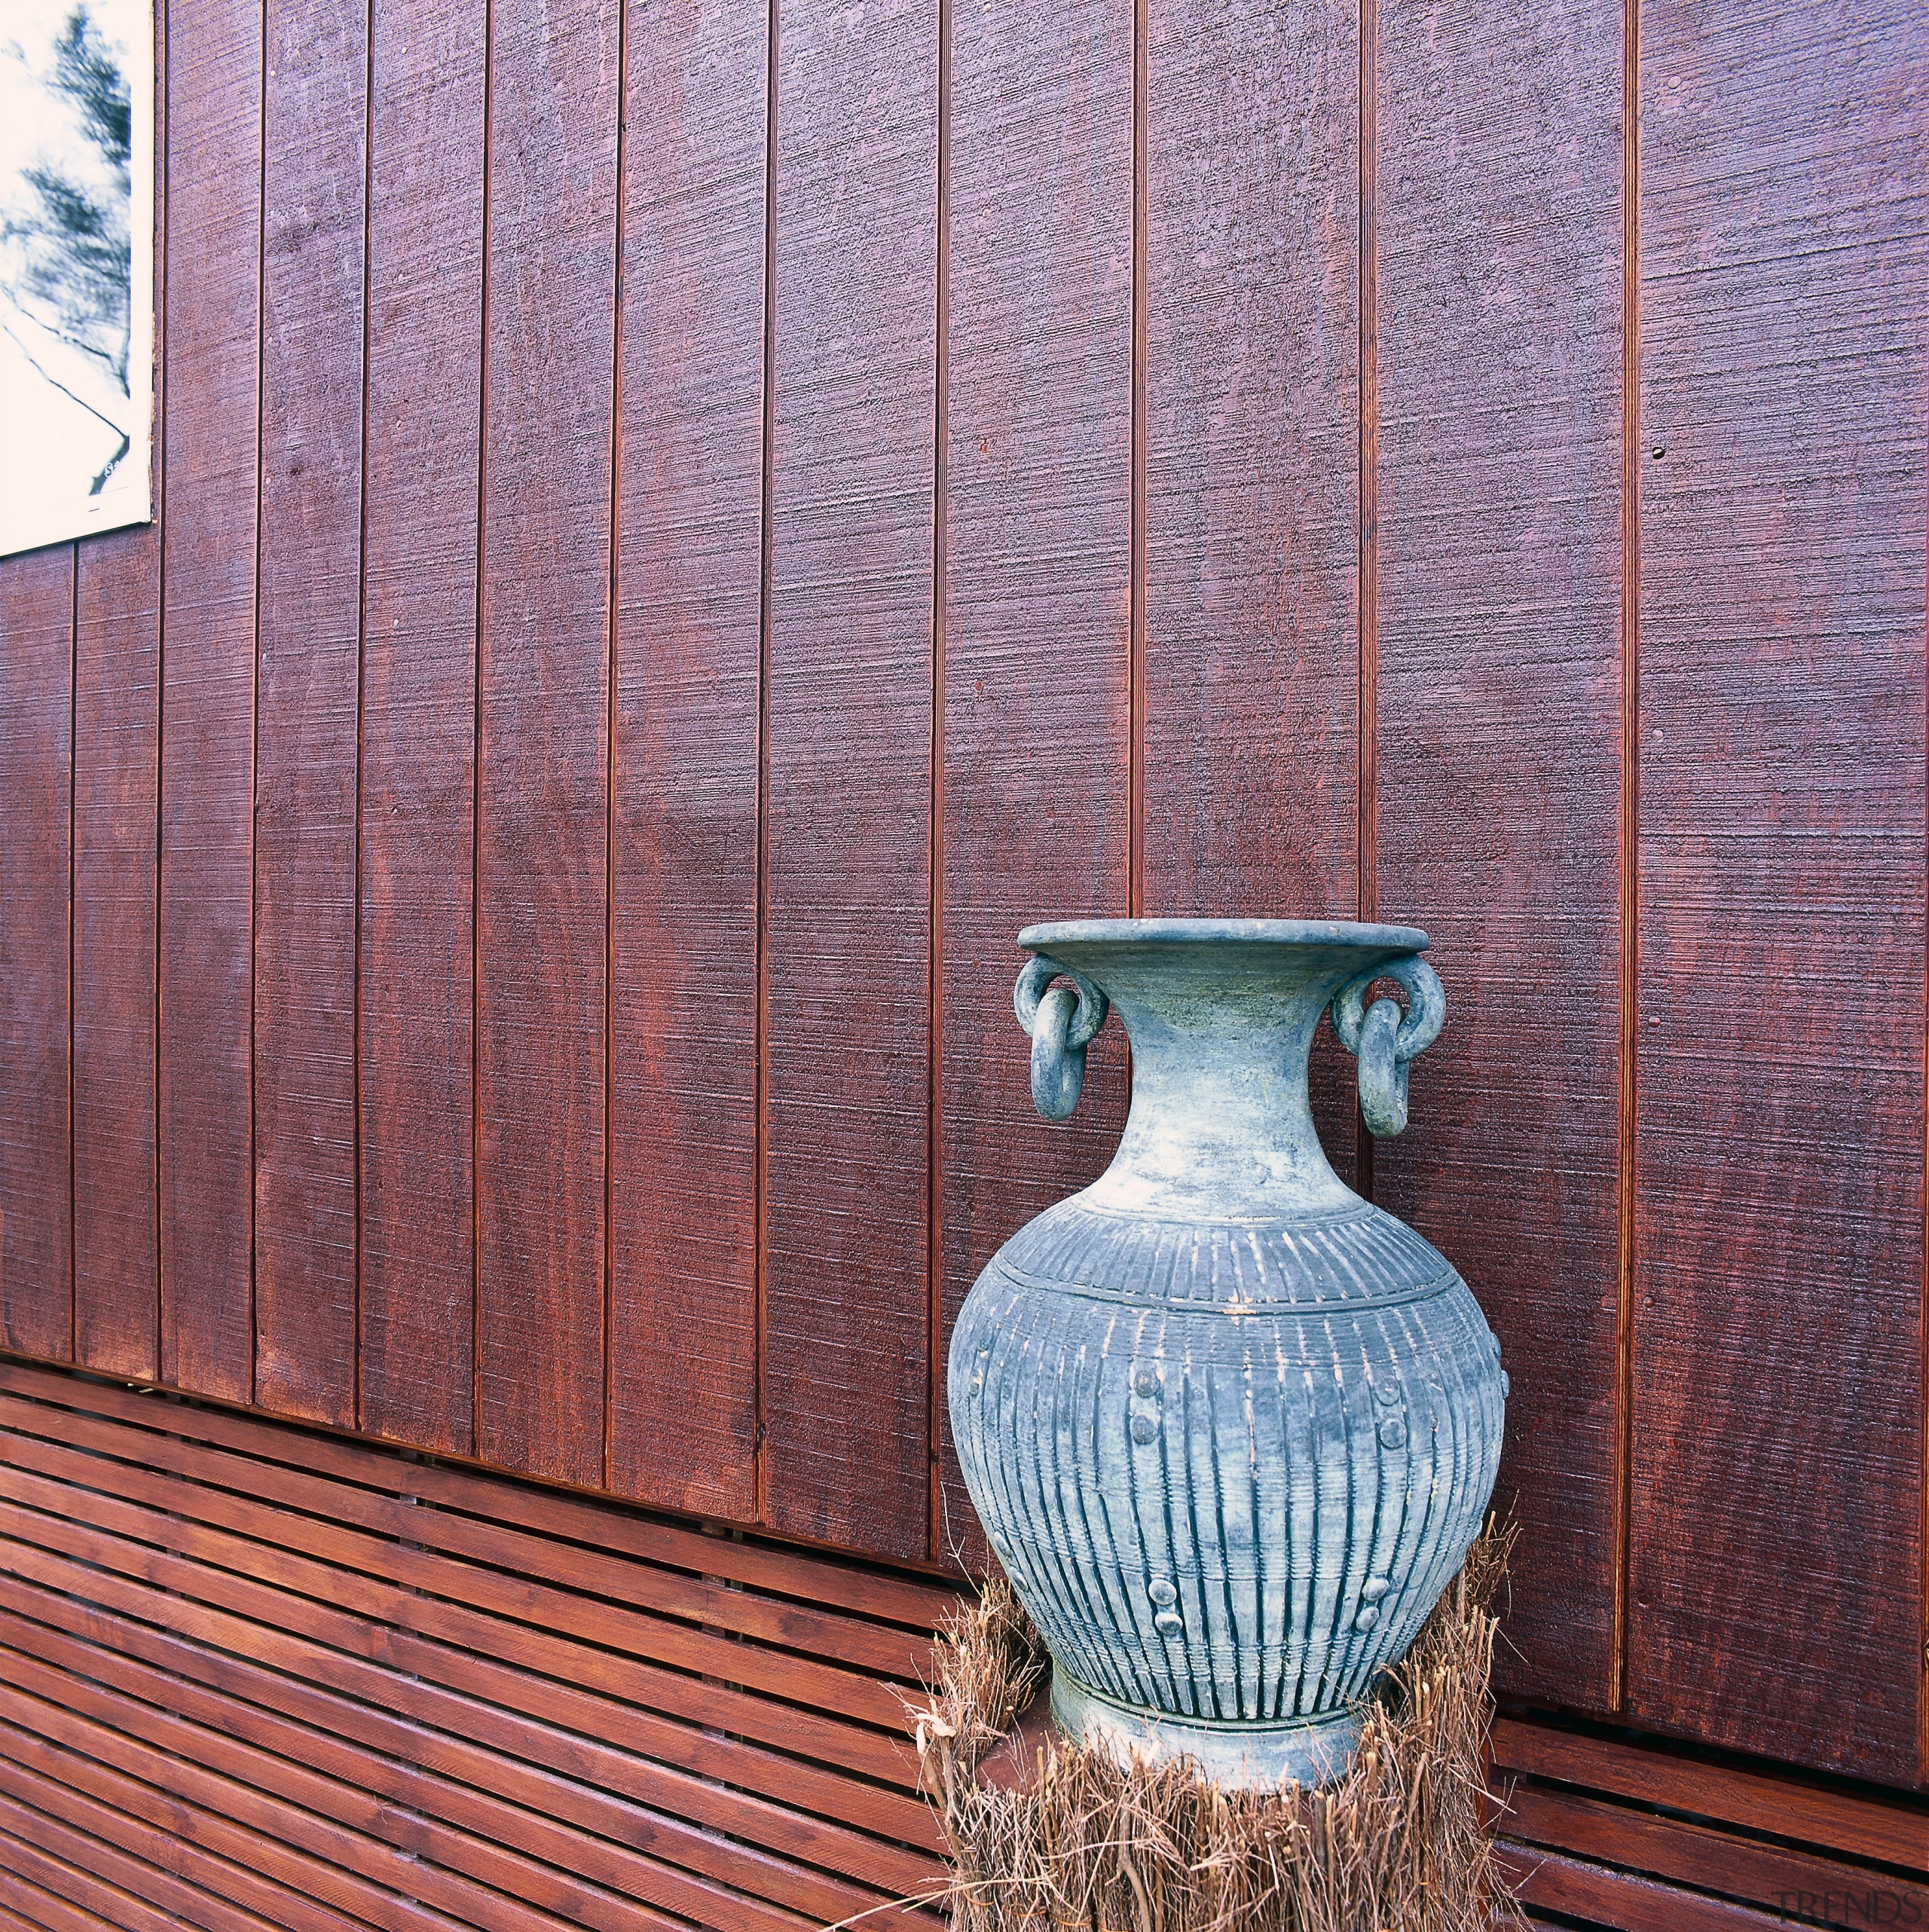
{"points": [[681, 529]]}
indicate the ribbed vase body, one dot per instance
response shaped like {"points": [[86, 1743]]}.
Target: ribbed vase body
{"points": [[1231, 1428]]}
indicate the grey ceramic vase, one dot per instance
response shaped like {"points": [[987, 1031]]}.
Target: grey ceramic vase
{"points": [[1231, 1428]]}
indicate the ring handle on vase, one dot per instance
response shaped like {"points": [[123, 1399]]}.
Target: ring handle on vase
{"points": [[1383, 1039], [1062, 1023]]}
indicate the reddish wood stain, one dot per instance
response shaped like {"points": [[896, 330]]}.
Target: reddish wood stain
{"points": [[1777, 1438], [847, 831], [308, 700], [682, 1131], [1037, 607], [550, 813], [117, 743], [116, 778], [1498, 702], [416, 988], [543, 723], [212, 401], [36, 780], [1251, 611]]}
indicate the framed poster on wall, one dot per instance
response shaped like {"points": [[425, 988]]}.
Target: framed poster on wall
{"points": [[76, 268]]}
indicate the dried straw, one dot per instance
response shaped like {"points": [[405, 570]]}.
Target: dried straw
{"points": [[1401, 1844]]}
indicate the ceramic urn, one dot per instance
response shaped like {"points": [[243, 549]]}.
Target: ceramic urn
{"points": [[1230, 1427]]}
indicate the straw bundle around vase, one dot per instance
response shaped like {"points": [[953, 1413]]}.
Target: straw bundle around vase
{"points": [[1079, 1842]]}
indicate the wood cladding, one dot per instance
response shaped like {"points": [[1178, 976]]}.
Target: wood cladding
{"points": [[1644, 1839], [684, 527], [249, 1672], [1499, 703], [1782, 733], [36, 774], [211, 408], [415, 955]]}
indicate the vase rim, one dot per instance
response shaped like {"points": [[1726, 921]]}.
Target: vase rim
{"points": [[1243, 932]]}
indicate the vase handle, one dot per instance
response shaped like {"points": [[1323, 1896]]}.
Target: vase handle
{"points": [[1062, 1024], [1383, 1039]]}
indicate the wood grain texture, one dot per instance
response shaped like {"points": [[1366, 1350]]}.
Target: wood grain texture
{"points": [[1036, 609], [1853, 1824], [658, 1861], [215, 1567], [211, 444], [542, 819], [836, 1637], [581, 1782], [35, 1813], [848, 816], [136, 1822], [117, 799], [308, 698], [641, 1632], [1251, 591], [450, 1670], [54, 1894], [1598, 1895], [1778, 1370], [415, 970], [217, 1814], [1771, 1876], [1498, 720], [117, 753], [490, 1700], [317, 1790], [783, 1579], [36, 783], [682, 1134], [24, 1907]]}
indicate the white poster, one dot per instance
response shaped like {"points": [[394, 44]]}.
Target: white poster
{"points": [[76, 268]]}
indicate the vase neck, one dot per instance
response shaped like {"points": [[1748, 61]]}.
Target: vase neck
{"points": [[1221, 1123]]}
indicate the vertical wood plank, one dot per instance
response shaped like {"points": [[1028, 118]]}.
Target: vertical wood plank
{"points": [[1252, 612], [1499, 726], [36, 781], [214, 138], [116, 746], [117, 781], [683, 1131], [1037, 585], [848, 826], [543, 818], [1777, 1559], [308, 697], [417, 837]]}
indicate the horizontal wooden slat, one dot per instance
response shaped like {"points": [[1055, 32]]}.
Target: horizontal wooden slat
{"points": [[114, 1843], [855, 1593], [1853, 1826], [11, 1921], [700, 1766], [25, 1905], [386, 1756], [510, 1635], [492, 1750], [219, 1489], [421, 1815], [1689, 1855], [1548, 1881], [319, 1686], [88, 1869], [215, 1810]]}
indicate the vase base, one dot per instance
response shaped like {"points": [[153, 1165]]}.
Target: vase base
{"points": [[1240, 1757]]}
